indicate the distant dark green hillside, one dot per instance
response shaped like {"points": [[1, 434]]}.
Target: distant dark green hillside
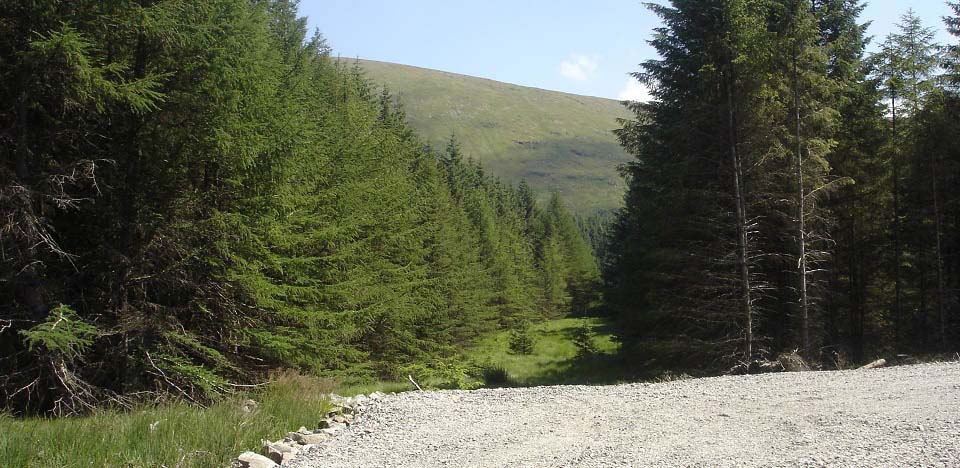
{"points": [[556, 141]]}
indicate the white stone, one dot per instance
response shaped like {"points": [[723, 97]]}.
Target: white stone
{"points": [[311, 439], [254, 460], [280, 452]]}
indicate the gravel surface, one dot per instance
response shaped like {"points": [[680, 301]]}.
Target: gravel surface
{"points": [[901, 416]]}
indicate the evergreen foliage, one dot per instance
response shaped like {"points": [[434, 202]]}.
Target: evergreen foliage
{"points": [[583, 340], [216, 197], [520, 340], [952, 55], [194, 194], [811, 210]]}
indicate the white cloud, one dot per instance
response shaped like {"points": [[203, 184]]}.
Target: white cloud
{"points": [[578, 67], [634, 91]]}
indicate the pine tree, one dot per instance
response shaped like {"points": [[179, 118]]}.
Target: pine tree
{"points": [[857, 158], [906, 63], [952, 55], [554, 270], [196, 193], [804, 91], [770, 226], [683, 241], [565, 253]]}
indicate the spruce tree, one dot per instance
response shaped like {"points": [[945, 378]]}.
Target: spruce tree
{"points": [[683, 241], [952, 55], [905, 65], [804, 92], [194, 194]]}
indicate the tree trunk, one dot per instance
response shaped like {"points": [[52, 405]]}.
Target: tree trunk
{"points": [[801, 220], [23, 150], [744, 268], [862, 274], [897, 249], [939, 252], [130, 214], [855, 267], [922, 318]]}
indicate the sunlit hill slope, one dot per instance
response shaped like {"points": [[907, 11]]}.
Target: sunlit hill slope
{"points": [[556, 141]]}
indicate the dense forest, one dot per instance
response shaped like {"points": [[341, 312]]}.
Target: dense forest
{"points": [[194, 193], [790, 191]]}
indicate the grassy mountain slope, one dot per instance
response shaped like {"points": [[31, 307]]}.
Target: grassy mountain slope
{"points": [[556, 141]]}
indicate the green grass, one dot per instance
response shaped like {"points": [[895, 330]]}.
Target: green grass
{"points": [[368, 388], [186, 436], [555, 358], [556, 141]]}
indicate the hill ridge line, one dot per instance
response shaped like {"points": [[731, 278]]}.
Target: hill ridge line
{"points": [[475, 77]]}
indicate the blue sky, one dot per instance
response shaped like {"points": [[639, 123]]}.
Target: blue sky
{"points": [[576, 46]]}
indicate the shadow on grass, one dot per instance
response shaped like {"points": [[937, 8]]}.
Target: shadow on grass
{"points": [[586, 369], [603, 366]]}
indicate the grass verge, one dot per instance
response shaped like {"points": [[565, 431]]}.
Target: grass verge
{"points": [[172, 435], [184, 435]]}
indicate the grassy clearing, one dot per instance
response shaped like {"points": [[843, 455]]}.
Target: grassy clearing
{"points": [[183, 435], [556, 358]]}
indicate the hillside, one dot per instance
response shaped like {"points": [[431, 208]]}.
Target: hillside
{"points": [[556, 141]]}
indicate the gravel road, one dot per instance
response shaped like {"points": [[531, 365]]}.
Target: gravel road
{"points": [[901, 416]]}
